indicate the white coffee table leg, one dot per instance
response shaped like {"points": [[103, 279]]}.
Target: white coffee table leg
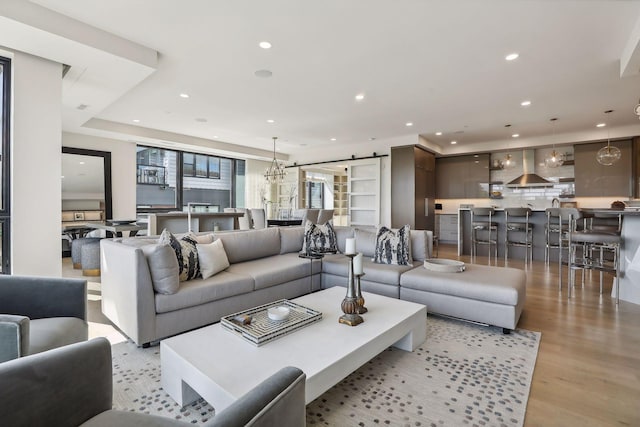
{"points": [[416, 336]]}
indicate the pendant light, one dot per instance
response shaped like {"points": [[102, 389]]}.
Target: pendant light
{"points": [[554, 159], [508, 162], [608, 154], [276, 172]]}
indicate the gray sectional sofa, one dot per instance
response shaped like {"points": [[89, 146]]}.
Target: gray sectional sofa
{"points": [[264, 267]]}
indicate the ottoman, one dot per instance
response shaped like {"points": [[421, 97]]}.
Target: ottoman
{"points": [[90, 258], [76, 250], [485, 294]]}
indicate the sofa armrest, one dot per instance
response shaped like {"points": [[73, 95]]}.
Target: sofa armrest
{"points": [[14, 336], [61, 387], [277, 401], [40, 297], [128, 298]]}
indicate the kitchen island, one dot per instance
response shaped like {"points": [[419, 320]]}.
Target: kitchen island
{"points": [[629, 253]]}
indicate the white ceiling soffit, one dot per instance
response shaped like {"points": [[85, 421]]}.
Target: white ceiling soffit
{"points": [[630, 59], [103, 66], [174, 140]]}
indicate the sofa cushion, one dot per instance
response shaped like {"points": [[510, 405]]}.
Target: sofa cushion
{"points": [[338, 265], [53, 332], [212, 257], [202, 291], [114, 417], [420, 245], [342, 234], [186, 253], [275, 270], [500, 285], [291, 239], [251, 244], [393, 247], [365, 242], [317, 236], [164, 268]]}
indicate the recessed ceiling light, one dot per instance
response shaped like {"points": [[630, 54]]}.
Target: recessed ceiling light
{"points": [[601, 125], [265, 45], [438, 133], [263, 74], [454, 142], [511, 56], [408, 124], [215, 136], [62, 176], [184, 95], [333, 139], [360, 97], [271, 121], [525, 103], [515, 135], [82, 163], [136, 120]]}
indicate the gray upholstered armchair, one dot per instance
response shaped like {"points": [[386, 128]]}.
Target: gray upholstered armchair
{"points": [[72, 385], [40, 313]]}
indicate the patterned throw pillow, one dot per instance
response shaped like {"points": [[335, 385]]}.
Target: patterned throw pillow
{"points": [[393, 248], [319, 237], [186, 253]]}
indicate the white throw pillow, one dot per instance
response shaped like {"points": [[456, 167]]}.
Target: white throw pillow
{"points": [[213, 258]]}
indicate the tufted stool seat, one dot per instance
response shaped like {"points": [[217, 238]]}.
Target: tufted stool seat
{"points": [[76, 250], [90, 258]]}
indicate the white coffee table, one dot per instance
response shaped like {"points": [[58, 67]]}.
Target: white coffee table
{"points": [[220, 366]]}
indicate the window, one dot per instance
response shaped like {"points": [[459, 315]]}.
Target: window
{"points": [[156, 176], [201, 166], [214, 167], [315, 192], [5, 211], [169, 180], [188, 164]]}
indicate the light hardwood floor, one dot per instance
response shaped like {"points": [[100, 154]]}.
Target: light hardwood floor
{"points": [[588, 367]]}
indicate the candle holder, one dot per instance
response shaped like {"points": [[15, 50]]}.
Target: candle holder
{"points": [[350, 302], [359, 298]]}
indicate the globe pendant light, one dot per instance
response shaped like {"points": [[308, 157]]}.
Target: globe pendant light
{"points": [[276, 172], [554, 159], [508, 162], [608, 154]]}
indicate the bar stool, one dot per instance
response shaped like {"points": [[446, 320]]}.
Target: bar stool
{"points": [[589, 241], [551, 228], [518, 224], [485, 224]]}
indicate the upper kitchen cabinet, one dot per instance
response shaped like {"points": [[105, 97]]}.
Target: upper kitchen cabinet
{"points": [[462, 177], [595, 180]]}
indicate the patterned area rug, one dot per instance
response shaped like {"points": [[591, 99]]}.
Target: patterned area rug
{"points": [[464, 374]]}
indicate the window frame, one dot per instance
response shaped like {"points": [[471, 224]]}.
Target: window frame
{"points": [[5, 209]]}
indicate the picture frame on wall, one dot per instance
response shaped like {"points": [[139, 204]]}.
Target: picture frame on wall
{"points": [[78, 216]]}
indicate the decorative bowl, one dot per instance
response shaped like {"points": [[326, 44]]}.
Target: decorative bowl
{"points": [[444, 265], [278, 313]]}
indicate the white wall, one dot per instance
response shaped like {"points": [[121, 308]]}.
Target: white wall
{"points": [[35, 166], [254, 181], [123, 169]]}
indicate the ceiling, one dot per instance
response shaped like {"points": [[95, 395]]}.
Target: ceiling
{"points": [[439, 65]]}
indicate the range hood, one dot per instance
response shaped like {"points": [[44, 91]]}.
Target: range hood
{"points": [[528, 177]]}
